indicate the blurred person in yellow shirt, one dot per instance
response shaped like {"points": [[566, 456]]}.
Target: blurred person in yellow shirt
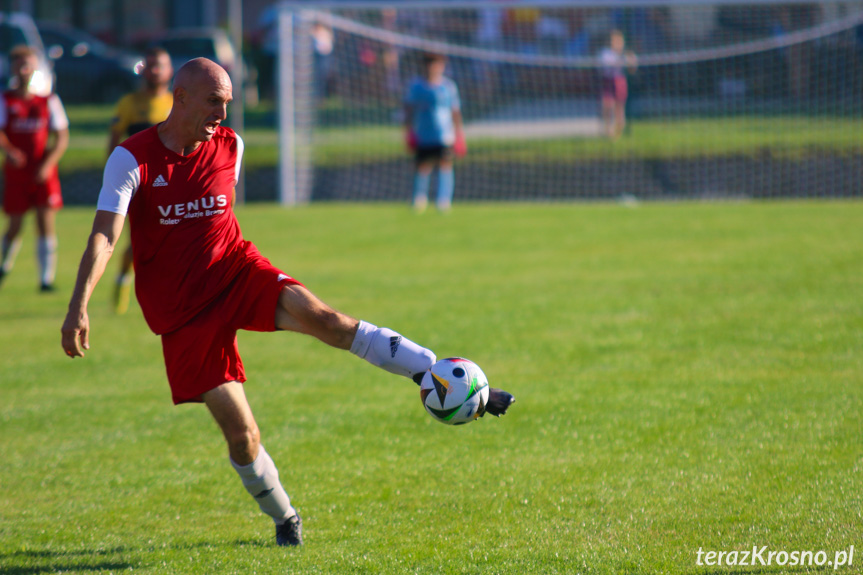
{"points": [[135, 112]]}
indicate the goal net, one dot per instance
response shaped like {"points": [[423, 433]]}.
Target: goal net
{"points": [[719, 100]]}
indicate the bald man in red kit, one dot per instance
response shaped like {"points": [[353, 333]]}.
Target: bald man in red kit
{"points": [[198, 281]]}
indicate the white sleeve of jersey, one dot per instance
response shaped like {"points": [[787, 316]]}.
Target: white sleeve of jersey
{"points": [[58, 120], [120, 182], [3, 115], [240, 147]]}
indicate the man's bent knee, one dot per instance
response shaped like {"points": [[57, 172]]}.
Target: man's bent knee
{"points": [[243, 444], [338, 326], [232, 413], [301, 311]]}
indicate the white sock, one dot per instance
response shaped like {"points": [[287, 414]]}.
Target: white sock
{"points": [[47, 253], [391, 351], [10, 251], [261, 480]]}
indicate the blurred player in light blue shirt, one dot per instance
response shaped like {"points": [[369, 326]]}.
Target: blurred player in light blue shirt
{"points": [[433, 124]]}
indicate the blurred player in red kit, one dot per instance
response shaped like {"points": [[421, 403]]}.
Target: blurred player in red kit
{"points": [[34, 134]]}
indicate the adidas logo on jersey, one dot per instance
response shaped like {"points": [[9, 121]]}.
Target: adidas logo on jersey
{"points": [[160, 182]]}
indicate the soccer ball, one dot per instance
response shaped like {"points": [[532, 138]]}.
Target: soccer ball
{"points": [[454, 391]]}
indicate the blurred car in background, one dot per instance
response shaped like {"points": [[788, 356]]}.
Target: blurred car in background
{"points": [[184, 44], [86, 69], [15, 29]]}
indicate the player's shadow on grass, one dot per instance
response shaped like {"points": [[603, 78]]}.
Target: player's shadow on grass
{"points": [[42, 561], [251, 543]]}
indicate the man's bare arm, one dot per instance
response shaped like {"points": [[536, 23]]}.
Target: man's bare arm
{"points": [[107, 227], [53, 154]]}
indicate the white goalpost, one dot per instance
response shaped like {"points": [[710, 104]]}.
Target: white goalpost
{"points": [[725, 99]]}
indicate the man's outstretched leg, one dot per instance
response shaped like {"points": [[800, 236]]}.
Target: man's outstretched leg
{"points": [[251, 461], [301, 311]]}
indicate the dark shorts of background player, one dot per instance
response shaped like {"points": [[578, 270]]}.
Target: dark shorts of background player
{"points": [[203, 354], [425, 154]]}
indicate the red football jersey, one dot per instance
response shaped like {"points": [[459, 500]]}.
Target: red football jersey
{"points": [[186, 240], [28, 122]]}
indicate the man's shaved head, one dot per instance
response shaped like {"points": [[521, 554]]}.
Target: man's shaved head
{"points": [[202, 92], [200, 72]]}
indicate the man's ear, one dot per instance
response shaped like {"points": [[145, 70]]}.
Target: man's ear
{"points": [[179, 95]]}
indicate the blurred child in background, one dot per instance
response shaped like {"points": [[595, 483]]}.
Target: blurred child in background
{"points": [[434, 129], [615, 61]]}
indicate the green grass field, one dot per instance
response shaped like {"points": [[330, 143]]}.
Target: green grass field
{"points": [[688, 376], [749, 136]]}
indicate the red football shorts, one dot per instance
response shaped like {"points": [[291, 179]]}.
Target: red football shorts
{"points": [[203, 354], [22, 192]]}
